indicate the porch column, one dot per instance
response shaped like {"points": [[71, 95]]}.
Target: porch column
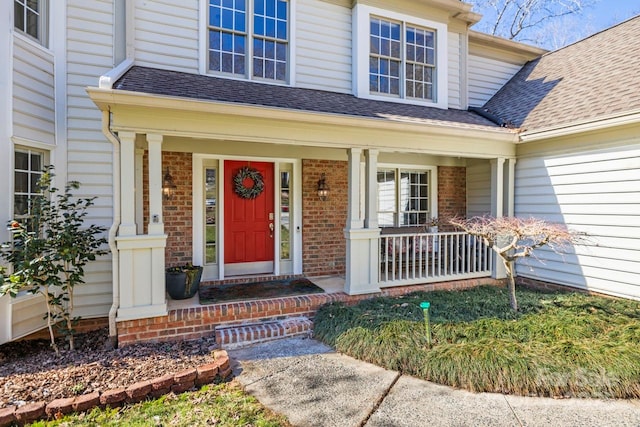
{"points": [[141, 257], [497, 207], [510, 189], [371, 189], [354, 220], [127, 184], [156, 225], [362, 243], [139, 187], [497, 187]]}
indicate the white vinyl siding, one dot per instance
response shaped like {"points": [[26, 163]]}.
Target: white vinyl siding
{"points": [[597, 193], [323, 46], [90, 55], [486, 77], [33, 93], [166, 34], [479, 189], [26, 315], [455, 72]]}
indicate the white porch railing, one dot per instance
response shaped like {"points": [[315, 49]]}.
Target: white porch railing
{"points": [[413, 258]]}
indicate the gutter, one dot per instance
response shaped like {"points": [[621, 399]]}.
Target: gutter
{"points": [[115, 261], [490, 116], [590, 125], [106, 81]]}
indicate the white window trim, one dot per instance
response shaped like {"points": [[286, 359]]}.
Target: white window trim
{"points": [[43, 26], [433, 187], [361, 27], [204, 50], [44, 153]]}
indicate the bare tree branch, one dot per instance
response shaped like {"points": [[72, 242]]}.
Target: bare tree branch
{"points": [[513, 238], [519, 19]]}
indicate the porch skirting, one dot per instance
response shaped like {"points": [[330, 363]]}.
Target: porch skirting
{"points": [[202, 320]]}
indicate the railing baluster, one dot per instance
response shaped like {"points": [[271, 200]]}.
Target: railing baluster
{"points": [[412, 257]]}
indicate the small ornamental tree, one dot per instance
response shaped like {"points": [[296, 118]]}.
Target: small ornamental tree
{"points": [[49, 251], [512, 238]]}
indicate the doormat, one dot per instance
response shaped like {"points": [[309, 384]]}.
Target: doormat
{"points": [[257, 290]]}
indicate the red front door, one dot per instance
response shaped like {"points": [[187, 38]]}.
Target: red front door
{"points": [[248, 222]]}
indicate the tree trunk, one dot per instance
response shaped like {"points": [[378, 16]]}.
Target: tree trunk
{"points": [[52, 336], [512, 285], [69, 311]]}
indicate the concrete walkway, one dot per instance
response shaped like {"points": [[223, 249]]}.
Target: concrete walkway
{"points": [[314, 386]]}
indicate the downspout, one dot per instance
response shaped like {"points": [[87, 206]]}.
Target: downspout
{"points": [[115, 267]]}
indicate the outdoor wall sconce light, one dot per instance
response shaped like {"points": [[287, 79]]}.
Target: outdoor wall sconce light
{"points": [[168, 186], [323, 188]]}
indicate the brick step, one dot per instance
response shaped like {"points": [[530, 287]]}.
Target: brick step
{"points": [[247, 334]]}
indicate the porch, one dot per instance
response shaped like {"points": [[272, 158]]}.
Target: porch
{"points": [[248, 322], [410, 262], [430, 163]]}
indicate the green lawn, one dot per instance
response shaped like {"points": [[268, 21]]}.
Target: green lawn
{"points": [[219, 405], [558, 344]]}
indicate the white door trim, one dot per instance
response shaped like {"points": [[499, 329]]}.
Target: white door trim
{"points": [[198, 220]]}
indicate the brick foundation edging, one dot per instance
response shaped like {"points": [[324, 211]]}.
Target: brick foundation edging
{"points": [[150, 389]]}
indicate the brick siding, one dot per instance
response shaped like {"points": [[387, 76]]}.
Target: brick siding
{"points": [[452, 193], [323, 222], [178, 212]]}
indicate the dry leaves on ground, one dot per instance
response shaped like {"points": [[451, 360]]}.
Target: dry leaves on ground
{"points": [[30, 371]]}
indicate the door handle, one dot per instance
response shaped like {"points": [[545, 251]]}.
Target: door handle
{"points": [[271, 228]]}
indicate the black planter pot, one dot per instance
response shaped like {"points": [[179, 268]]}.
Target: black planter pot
{"points": [[183, 284]]}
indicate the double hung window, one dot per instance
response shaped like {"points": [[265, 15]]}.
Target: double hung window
{"points": [[402, 59], [249, 38], [28, 165], [29, 17], [404, 197]]}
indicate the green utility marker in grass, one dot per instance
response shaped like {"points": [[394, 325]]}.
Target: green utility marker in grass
{"points": [[424, 305]]}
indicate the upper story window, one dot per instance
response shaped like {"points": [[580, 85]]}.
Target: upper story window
{"points": [[407, 72], [399, 57], [30, 18], [249, 39]]}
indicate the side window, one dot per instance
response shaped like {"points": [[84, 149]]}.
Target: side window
{"points": [[285, 212], [211, 227], [30, 18], [28, 165]]}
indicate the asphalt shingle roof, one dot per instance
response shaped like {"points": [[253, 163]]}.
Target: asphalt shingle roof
{"points": [[593, 78], [208, 88]]}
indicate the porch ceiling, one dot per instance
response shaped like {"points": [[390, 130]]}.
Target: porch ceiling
{"points": [[284, 115]]}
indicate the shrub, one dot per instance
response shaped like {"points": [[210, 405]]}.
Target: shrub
{"points": [[49, 251]]}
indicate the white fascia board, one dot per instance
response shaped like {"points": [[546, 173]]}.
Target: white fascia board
{"points": [[105, 98], [583, 126], [360, 22]]}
